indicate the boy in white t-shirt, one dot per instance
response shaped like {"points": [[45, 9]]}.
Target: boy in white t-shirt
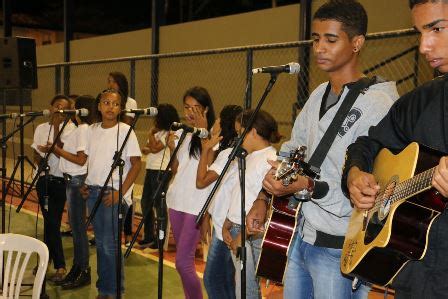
{"points": [[55, 190]]}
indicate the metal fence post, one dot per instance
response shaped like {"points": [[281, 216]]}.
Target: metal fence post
{"points": [[57, 80], [132, 79], [249, 66]]}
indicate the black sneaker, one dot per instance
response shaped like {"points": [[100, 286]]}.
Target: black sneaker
{"points": [[92, 242], [74, 271], [82, 279]]}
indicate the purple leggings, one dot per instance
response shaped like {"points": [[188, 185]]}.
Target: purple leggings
{"points": [[187, 237]]}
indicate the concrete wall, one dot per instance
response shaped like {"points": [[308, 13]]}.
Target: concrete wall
{"points": [[223, 74], [259, 27]]}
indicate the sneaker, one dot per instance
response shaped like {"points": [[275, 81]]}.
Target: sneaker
{"points": [[74, 271], [82, 279], [58, 276], [92, 242]]}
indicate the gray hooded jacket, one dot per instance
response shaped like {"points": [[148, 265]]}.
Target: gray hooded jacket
{"points": [[331, 214]]}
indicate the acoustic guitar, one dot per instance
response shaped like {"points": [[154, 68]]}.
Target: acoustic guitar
{"points": [[282, 220], [379, 242]]}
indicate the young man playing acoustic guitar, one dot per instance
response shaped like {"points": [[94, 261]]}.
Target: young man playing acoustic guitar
{"points": [[338, 32], [420, 116]]}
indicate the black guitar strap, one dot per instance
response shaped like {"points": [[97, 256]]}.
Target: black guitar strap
{"points": [[327, 140]]}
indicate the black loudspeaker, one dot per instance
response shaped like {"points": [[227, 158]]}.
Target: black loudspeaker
{"points": [[18, 68]]}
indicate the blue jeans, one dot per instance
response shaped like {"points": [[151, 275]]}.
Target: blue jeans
{"points": [[314, 272], [253, 250], [219, 274], [77, 209], [105, 225]]}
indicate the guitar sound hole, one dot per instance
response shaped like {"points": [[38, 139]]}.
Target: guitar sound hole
{"points": [[378, 218]]}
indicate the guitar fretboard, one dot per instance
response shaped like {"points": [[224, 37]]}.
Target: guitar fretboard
{"points": [[409, 187]]}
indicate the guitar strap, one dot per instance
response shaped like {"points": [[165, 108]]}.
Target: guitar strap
{"points": [[327, 140]]}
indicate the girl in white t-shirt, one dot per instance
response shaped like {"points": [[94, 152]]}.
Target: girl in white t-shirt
{"points": [[73, 165], [158, 156], [106, 137], [118, 81], [219, 274], [258, 144], [184, 200]]}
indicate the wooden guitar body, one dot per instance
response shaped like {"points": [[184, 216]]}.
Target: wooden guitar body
{"points": [[381, 241], [277, 238]]}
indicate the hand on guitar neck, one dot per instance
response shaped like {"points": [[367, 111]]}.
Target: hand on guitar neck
{"points": [[362, 187], [440, 177], [256, 217]]}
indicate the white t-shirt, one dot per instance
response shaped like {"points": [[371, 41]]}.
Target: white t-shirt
{"points": [[256, 168], [131, 104], [43, 134], [101, 149], [182, 194], [75, 142], [221, 200], [154, 160]]}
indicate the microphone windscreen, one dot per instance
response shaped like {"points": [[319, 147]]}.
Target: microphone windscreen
{"points": [[152, 111], [294, 68], [83, 112]]}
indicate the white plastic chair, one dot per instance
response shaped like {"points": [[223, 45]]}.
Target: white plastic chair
{"points": [[20, 248]]}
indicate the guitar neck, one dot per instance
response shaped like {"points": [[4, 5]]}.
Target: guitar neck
{"points": [[414, 185]]}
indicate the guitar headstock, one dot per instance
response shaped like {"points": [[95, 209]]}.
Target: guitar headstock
{"points": [[294, 165]]}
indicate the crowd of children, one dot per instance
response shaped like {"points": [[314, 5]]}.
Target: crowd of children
{"points": [[80, 164]]}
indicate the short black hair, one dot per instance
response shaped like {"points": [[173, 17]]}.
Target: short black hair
{"points": [[87, 102], [350, 13], [166, 115], [59, 97], [413, 3]]}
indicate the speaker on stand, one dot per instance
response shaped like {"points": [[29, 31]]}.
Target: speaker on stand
{"points": [[18, 76]]}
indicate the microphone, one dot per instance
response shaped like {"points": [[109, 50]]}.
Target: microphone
{"points": [[151, 111], [45, 112], [80, 112], [200, 132], [290, 68]]}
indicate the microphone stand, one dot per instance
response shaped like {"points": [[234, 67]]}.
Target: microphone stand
{"points": [[4, 140], [43, 166], [120, 163], [160, 214], [239, 152]]}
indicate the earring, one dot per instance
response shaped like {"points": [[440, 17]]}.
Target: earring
{"points": [[355, 50]]}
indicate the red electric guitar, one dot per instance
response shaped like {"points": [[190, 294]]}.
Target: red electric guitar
{"points": [[282, 221]]}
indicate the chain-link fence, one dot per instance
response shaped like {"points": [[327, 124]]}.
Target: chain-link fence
{"points": [[225, 72]]}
